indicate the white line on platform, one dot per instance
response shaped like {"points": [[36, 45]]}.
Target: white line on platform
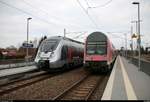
{"points": [[108, 90], [128, 86]]}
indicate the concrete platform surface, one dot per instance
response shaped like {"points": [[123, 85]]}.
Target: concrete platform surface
{"points": [[15, 65], [7, 72], [126, 82]]}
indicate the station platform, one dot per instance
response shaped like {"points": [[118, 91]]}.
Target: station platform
{"points": [[13, 71], [127, 82], [15, 65]]}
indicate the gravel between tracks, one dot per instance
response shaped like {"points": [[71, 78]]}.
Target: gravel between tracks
{"points": [[77, 93], [46, 89]]}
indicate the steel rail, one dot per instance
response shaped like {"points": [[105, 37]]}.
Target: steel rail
{"points": [[69, 88], [95, 87], [88, 90], [22, 84]]}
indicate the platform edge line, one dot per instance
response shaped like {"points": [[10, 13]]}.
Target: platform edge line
{"points": [[108, 90], [128, 86]]}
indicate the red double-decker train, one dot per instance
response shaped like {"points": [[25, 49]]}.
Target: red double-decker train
{"points": [[99, 53]]}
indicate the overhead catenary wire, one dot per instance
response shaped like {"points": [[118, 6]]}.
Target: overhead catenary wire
{"points": [[115, 35], [86, 11], [48, 22], [122, 39], [87, 3], [23, 11], [87, 14], [81, 33], [118, 36], [47, 13], [76, 32], [103, 5], [35, 16]]}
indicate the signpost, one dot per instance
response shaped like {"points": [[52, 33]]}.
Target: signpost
{"points": [[25, 45]]}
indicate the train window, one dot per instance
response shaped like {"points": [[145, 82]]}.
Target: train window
{"points": [[101, 50], [49, 45], [90, 49], [97, 48]]}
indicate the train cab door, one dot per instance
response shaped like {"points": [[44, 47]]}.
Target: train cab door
{"points": [[64, 53], [64, 56]]}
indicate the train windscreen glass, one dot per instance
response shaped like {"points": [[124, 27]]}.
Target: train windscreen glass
{"points": [[49, 45], [98, 48]]}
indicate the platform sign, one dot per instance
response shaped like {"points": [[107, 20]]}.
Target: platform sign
{"points": [[25, 45], [134, 36]]}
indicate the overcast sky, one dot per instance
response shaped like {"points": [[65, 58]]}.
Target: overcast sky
{"points": [[50, 17]]}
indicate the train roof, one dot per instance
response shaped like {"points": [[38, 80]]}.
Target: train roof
{"points": [[97, 36], [64, 38]]}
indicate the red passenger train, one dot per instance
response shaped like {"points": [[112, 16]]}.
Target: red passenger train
{"points": [[99, 52]]}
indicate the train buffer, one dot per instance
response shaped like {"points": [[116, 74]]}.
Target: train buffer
{"points": [[127, 82]]}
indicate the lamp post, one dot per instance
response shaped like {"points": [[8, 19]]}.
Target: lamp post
{"points": [[139, 39], [136, 22], [132, 50], [125, 45], [64, 32], [27, 37]]}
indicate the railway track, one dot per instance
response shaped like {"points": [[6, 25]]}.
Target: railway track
{"points": [[10, 86], [82, 89]]}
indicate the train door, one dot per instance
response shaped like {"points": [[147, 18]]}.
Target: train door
{"points": [[64, 53], [64, 56]]}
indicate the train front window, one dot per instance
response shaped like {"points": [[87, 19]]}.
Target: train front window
{"points": [[96, 48], [91, 49], [49, 45]]}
